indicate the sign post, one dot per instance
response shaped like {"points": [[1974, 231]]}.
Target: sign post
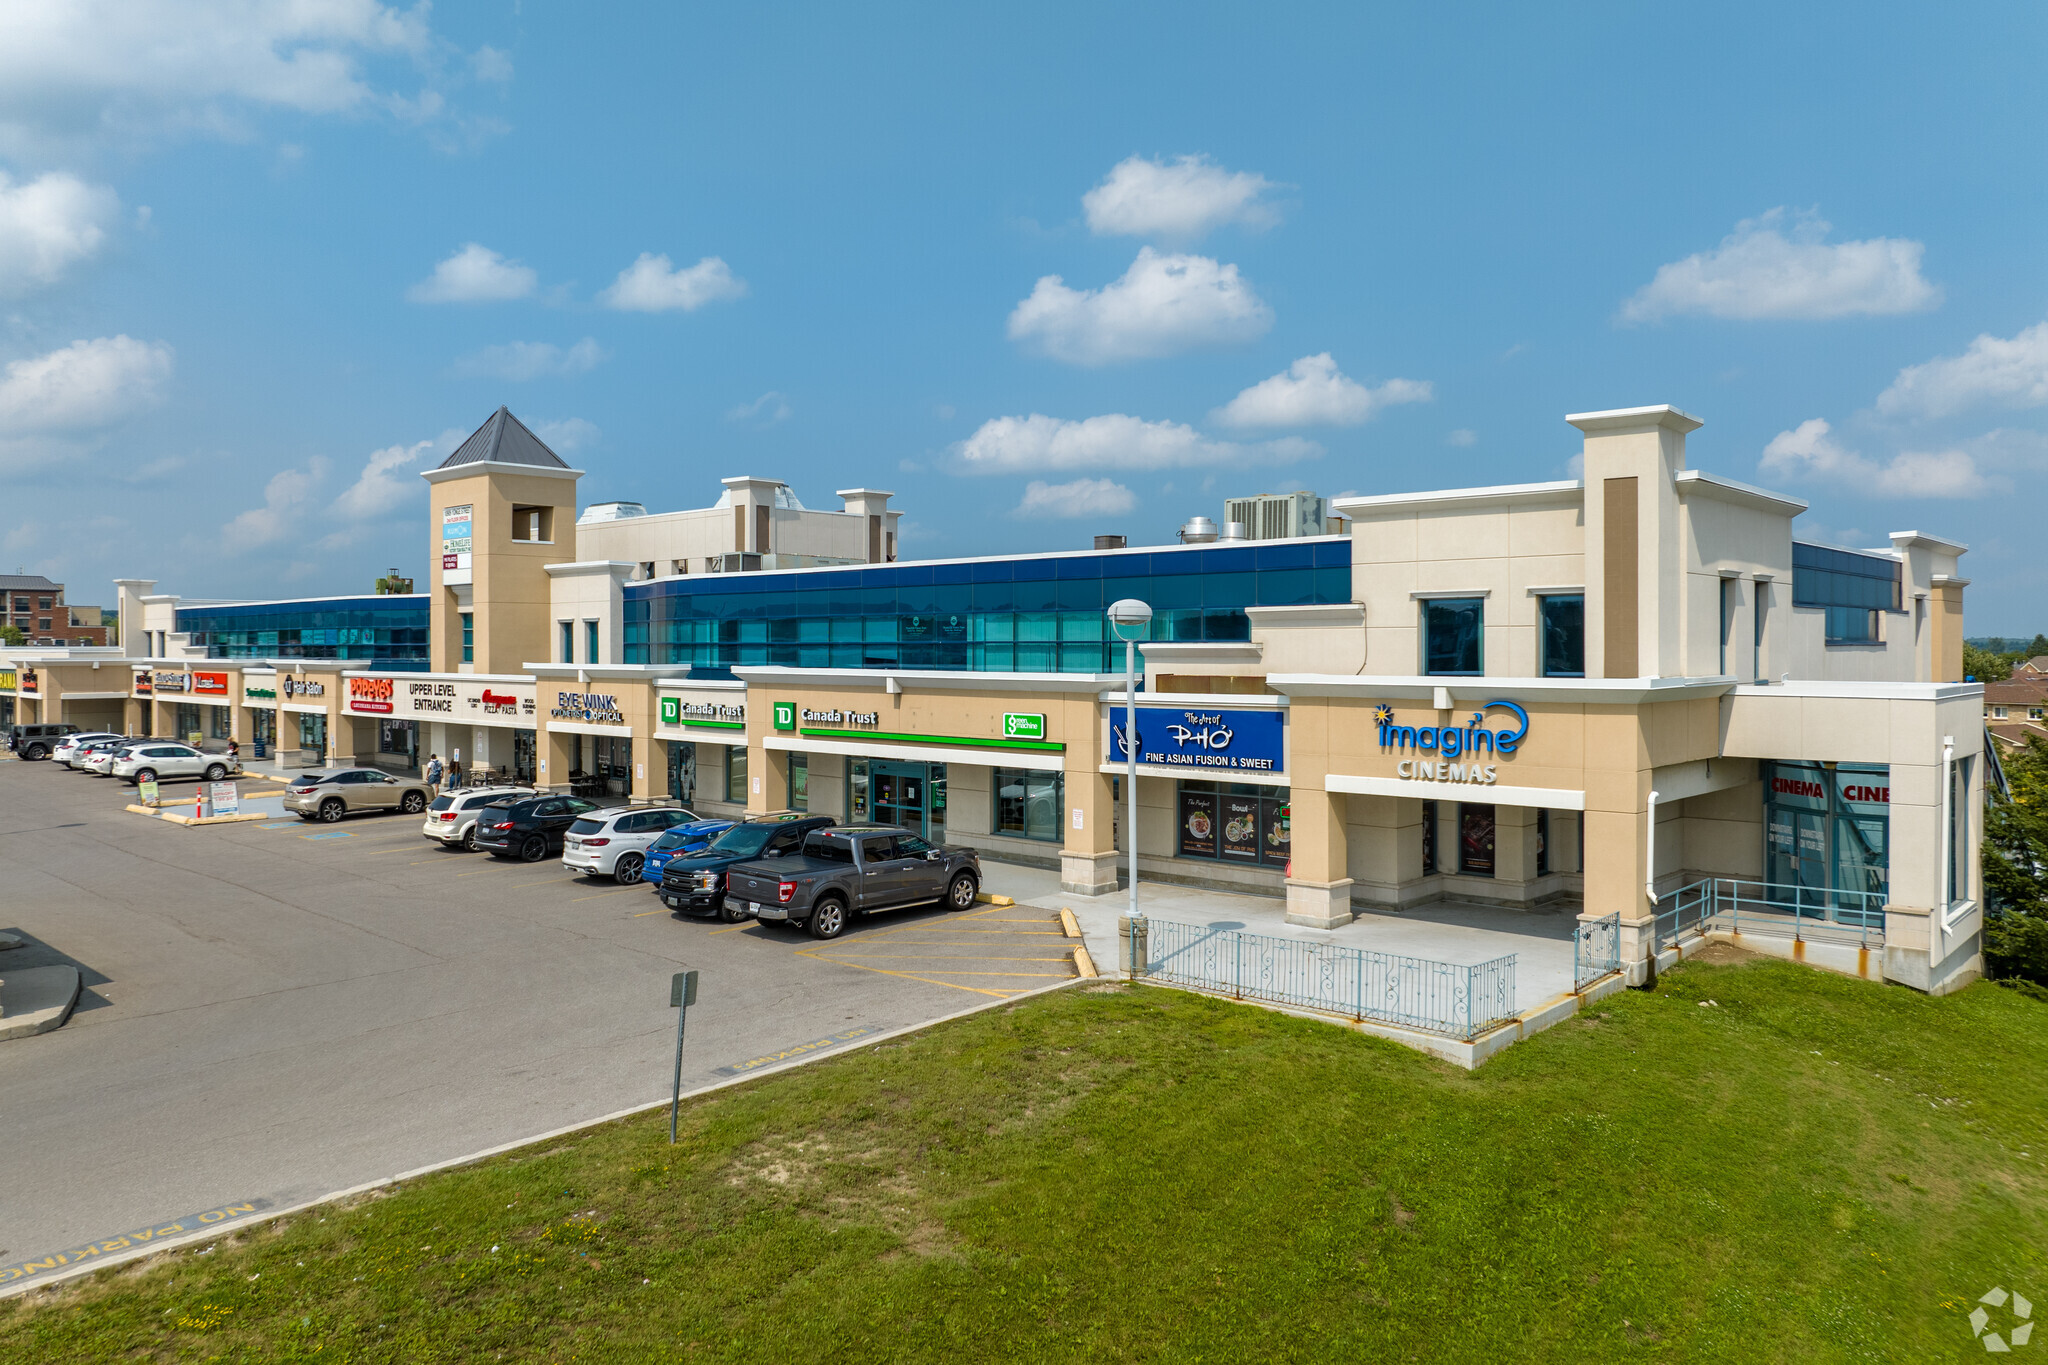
{"points": [[682, 993]]}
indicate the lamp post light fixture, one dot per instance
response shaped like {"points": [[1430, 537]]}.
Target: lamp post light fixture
{"points": [[1128, 619]]}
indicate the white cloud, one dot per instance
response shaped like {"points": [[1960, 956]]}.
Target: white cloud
{"points": [[1463, 436], [520, 361], [286, 500], [49, 224], [1081, 498], [1163, 305], [491, 64], [84, 386], [475, 274], [1810, 451], [770, 408], [2009, 371], [76, 72], [384, 482], [1039, 444], [1762, 270], [566, 435], [1314, 392], [652, 284], [1180, 199]]}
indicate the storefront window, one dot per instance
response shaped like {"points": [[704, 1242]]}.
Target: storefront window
{"points": [[682, 772], [1564, 636], [1542, 842], [313, 733], [1028, 803], [1475, 840], [525, 752], [1234, 822], [736, 774], [218, 722], [1453, 633], [188, 720], [612, 763], [857, 789], [1827, 830], [1428, 837], [799, 781]]}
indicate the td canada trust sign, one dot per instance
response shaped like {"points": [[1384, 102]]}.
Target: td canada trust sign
{"points": [[1452, 753]]}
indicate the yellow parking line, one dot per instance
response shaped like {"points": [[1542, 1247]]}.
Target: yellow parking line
{"points": [[602, 894], [919, 957], [744, 924], [911, 976]]}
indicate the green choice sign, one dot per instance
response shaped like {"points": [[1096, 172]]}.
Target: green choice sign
{"points": [[785, 715], [268, 692], [1020, 726]]}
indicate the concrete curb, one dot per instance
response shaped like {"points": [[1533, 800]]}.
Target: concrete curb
{"points": [[272, 1215], [1084, 964], [37, 1000], [159, 813]]}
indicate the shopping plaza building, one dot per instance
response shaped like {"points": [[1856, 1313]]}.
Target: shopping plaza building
{"points": [[1588, 693]]}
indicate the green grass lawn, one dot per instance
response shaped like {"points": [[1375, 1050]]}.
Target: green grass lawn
{"points": [[1810, 1169]]}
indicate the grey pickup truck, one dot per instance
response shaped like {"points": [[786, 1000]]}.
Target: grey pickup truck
{"points": [[850, 870]]}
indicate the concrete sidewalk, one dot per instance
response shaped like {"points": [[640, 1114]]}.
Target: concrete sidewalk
{"points": [[1444, 931]]}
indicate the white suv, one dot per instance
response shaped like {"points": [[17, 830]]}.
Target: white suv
{"points": [[613, 843], [67, 748], [153, 762], [452, 817]]}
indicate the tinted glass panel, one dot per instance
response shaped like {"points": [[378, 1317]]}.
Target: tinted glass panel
{"points": [[1452, 628]]}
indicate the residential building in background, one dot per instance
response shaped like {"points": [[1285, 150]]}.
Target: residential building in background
{"points": [[35, 606]]}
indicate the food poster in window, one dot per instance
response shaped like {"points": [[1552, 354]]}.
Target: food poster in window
{"points": [[1276, 834], [1197, 824], [1243, 829]]}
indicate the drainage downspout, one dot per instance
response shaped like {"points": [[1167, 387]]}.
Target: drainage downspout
{"points": [[1948, 833], [1650, 854]]}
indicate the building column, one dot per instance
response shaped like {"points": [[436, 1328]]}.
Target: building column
{"points": [[1318, 892], [767, 777], [1088, 859], [1614, 884]]}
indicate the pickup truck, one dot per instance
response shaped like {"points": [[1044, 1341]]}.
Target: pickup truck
{"points": [[852, 870], [693, 882]]}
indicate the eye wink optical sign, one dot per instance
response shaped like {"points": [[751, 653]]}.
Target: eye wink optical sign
{"points": [[597, 708], [1449, 753], [1210, 741]]}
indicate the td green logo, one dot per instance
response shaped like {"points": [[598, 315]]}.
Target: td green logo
{"points": [[785, 715]]}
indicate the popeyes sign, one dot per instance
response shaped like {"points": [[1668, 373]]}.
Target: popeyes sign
{"points": [[370, 694]]}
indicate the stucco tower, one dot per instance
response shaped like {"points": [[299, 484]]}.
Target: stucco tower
{"points": [[501, 508]]}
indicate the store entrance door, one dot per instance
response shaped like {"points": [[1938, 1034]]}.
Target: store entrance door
{"points": [[912, 795]]}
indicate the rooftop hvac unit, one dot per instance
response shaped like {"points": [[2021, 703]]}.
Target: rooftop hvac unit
{"points": [[736, 563], [1278, 516]]}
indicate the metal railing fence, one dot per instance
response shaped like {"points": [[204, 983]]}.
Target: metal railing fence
{"points": [[1596, 950], [1412, 992], [1740, 905]]}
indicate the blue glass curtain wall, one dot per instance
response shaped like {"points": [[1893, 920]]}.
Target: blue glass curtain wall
{"points": [[388, 630], [1853, 588], [1040, 615]]}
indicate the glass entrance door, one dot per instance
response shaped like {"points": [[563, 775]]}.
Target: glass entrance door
{"points": [[898, 793]]}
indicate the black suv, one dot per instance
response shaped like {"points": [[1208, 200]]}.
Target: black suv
{"points": [[35, 741], [528, 827], [694, 883]]}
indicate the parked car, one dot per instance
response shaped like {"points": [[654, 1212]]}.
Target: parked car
{"points": [[100, 757], [854, 870], [529, 827], [613, 843], [330, 795], [71, 748], [34, 742], [694, 883], [153, 762], [681, 839], [451, 818]]}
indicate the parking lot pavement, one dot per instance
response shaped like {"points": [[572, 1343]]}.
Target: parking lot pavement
{"points": [[279, 1009]]}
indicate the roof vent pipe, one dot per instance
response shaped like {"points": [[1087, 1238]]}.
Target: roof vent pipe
{"points": [[1110, 542], [1234, 530], [1197, 531]]}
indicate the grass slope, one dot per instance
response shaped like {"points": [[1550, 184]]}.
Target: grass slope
{"points": [[1810, 1169]]}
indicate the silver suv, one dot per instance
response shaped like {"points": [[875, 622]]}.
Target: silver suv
{"points": [[614, 843], [141, 763], [329, 796], [451, 819]]}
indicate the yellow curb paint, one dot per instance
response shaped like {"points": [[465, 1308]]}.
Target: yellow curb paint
{"points": [[1068, 925], [1084, 965]]}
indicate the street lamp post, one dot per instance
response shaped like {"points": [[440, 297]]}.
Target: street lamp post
{"points": [[1130, 613]]}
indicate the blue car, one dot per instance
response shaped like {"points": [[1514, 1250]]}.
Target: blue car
{"points": [[690, 838]]}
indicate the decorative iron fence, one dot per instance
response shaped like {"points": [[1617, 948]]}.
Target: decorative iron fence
{"points": [[1413, 992], [1804, 913], [1596, 950]]}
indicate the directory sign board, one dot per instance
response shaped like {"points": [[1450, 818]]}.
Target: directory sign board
{"points": [[456, 543]]}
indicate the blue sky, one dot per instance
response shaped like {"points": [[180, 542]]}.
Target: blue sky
{"points": [[1046, 271]]}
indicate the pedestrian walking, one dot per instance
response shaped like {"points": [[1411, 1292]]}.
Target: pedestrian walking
{"points": [[454, 772], [434, 771]]}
